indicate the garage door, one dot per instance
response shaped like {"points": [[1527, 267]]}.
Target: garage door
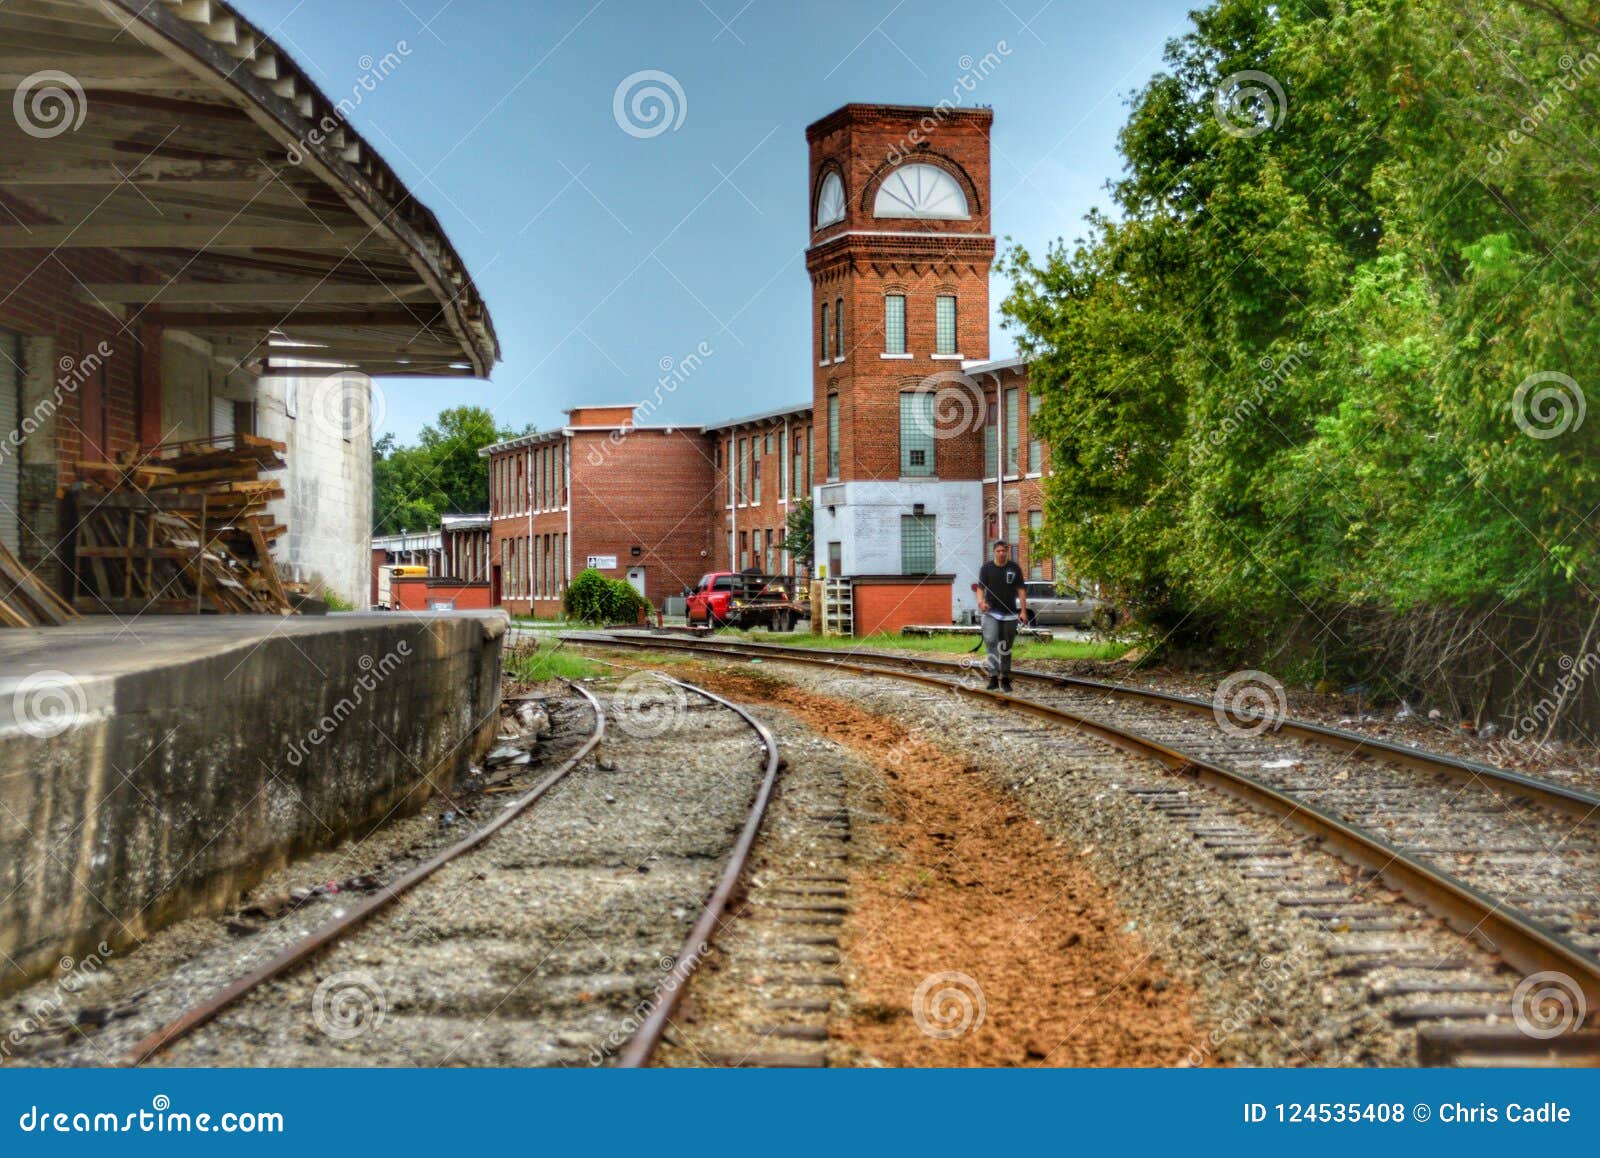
{"points": [[10, 415]]}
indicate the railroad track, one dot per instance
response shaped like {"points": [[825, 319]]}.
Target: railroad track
{"points": [[1508, 860], [553, 934]]}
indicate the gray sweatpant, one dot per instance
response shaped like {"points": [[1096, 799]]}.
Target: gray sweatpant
{"points": [[998, 636]]}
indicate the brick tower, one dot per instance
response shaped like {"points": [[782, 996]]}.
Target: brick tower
{"points": [[899, 262]]}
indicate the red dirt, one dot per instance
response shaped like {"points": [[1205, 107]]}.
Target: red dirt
{"points": [[973, 886]]}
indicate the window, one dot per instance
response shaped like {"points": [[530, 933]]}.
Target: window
{"points": [[825, 334], [991, 442], [894, 324], [916, 434], [1011, 431], [744, 472], [1014, 536], [805, 464], [1035, 444], [944, 324], [797, 472], [729, 459], [771, 563], [833, 436], [830, 201], [1035, 526], [755, 472], [919, 190], [766, 443], [835, 559], [916, 544], [744, 549], [838, 329], [785, 469]]}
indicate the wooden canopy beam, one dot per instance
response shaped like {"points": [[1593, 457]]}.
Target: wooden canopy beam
{"points": [[290, 319], [153, 236], [144, 171], [250, 293]]}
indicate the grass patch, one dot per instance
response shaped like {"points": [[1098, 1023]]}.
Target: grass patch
{"points": [[945, 644], [543, 661]]}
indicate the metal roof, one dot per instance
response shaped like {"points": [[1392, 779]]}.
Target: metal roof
{"points": [[180, 138]]}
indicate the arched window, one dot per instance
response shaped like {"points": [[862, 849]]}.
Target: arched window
{"points": [[830, 201], [920, 190]]}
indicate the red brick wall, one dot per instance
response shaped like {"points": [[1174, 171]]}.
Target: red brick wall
{"points": [[415, 594], [881, 606], [1020, 492], [860, 260], [648, 489], [40, 299], [750, 520]]}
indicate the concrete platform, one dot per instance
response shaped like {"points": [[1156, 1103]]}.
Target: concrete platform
{"points": [[158, 769]]}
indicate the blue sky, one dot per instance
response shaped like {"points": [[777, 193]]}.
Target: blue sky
{"points": [[604, 254]]}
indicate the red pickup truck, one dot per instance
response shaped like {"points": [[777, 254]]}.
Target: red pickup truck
{"points": [[743, 599]]}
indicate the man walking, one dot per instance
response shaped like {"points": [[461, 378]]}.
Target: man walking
{"points": [[1002, 602]]}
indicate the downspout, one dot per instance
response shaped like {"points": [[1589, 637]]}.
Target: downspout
{"points": [[786, 490], [527, 497], [566, 496]]}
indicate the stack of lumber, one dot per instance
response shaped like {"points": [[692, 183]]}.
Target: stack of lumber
{"points": [[26, 600], [181, 527]]}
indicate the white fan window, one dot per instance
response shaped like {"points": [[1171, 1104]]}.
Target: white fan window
{"points": [[920, 191], [830, 202]]}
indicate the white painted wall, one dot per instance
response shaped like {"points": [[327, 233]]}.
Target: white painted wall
{"points": [[327, 503], [866, 523]]}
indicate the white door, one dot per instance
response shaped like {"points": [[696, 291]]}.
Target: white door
{"points": [[636, 577], [10, 446]]}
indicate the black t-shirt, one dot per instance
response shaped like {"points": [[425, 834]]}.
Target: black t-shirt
{"points": [[1000, 584]]}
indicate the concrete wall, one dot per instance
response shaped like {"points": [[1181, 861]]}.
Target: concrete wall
{"points": [[325, 419], [865, 519], [141, 785]]}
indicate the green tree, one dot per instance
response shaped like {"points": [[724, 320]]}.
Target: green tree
{"points": [[1302, 386], [443, 474], [798, 533]]}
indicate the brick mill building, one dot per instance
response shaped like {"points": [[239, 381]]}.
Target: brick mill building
{"points": [[916, 449]]}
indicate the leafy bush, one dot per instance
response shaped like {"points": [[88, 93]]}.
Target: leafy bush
{"points": [[592, 598]]}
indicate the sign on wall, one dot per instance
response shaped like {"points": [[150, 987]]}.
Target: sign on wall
{"points": [[603, 562]]}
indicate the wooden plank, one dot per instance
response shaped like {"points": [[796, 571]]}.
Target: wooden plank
{"points": [[251, 293], [234, 235]]}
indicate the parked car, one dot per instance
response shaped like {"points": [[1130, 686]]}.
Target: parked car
{"points": [[1052, 605], [743, 599]]}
